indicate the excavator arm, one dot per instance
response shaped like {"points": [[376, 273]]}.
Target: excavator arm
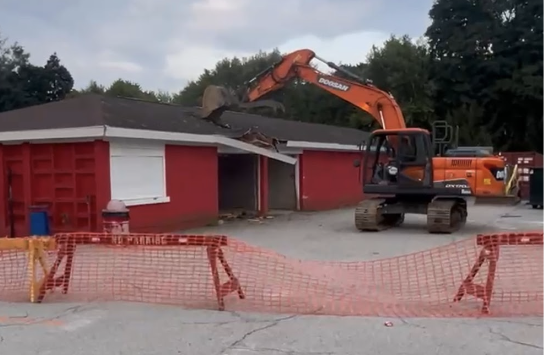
{"points": [[296, 65]]}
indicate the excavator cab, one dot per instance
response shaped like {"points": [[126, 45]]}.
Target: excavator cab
{"points": [[398, 171], [398, 161]]}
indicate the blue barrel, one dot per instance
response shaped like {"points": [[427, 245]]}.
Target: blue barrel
{"points": [[39, 221]]}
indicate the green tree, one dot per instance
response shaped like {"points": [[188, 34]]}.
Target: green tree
{"points": [[229, 72], [164, 97], [37, 85], [516, 93], [23, 84], [57, 78], [125, 88], [12, 57], [309, 103], [489, 54], [401, 67], [459, 38], [398, 66], [93, 88]]}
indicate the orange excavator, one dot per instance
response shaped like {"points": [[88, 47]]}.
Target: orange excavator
{"points": [[399, 166]]}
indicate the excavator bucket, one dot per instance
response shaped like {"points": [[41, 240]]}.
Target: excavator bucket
{"points": [[218, 99], [215, 101]]}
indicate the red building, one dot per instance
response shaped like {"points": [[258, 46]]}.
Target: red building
{"points": [[171, 168]]}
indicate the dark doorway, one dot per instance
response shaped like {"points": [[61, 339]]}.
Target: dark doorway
{"points": [[237, 182]]}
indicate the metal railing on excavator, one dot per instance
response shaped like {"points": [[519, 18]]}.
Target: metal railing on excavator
{"points": [[497, 274], [512, 180]]}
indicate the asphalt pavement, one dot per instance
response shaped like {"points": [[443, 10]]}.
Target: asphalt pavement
{"points": [[146, 329]]}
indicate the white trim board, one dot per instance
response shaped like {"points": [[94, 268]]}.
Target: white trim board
{"points": [[297, 182], [282, 150], [323, 146], [303, 145], [146, 201], [52, 134], [258, 187], [105, 132]]}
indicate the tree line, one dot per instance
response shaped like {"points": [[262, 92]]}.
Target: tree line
{"points": [[478, 65]]}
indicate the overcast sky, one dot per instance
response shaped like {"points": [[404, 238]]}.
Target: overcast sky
{"points": [[162, 44]]}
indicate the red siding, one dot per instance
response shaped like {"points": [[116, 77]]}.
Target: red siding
{"points": [[191, 184], [61, 176], [329, 180], [534, 159]]}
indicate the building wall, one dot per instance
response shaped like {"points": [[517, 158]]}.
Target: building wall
{"points": [[191, 185], [72, 180], [63, 178], [329, 180]]}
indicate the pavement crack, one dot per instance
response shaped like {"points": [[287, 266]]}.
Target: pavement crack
{"points": [[18, 324], [405, 322], [271, 324], [294, 352], [17, 320], [67, 311], [238, 319], [529, 324], [510, 340]]}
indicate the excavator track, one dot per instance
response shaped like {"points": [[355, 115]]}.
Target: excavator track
{"points": [[446, 216], [369, 217]]}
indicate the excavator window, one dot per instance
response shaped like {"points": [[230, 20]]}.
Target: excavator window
{"points": [[415, 160], [380, 154], [412, 149], [399, 158], [407, 149]]}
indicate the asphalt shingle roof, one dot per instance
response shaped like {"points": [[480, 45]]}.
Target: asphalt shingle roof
{"points": [[94, 110]]}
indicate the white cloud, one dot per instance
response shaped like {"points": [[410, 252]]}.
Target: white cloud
{"points": [[346, 49], [162, 44], [121, 65], [187, 63]]}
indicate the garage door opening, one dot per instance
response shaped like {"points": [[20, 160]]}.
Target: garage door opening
{"points": [[237, 183], [282, 193]]}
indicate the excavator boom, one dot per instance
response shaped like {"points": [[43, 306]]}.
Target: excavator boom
{"points": [[296, 65], [357, 91]]}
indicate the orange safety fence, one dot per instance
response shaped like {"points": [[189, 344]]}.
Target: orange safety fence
{"points": [[499, 274]]}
